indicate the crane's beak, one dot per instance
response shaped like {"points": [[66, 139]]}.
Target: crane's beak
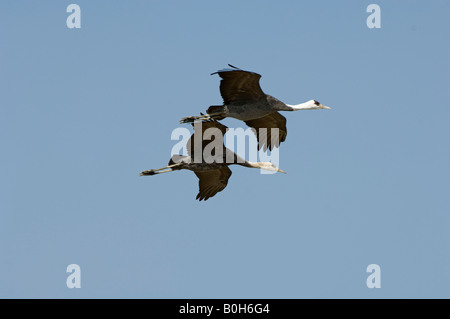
{"points": [[281, 171], [325, 107]]}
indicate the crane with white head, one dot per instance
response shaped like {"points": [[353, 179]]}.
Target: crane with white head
{"points": [[243, 99]]}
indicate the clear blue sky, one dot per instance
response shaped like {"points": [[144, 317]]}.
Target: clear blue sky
{"points": [[84, 111]]}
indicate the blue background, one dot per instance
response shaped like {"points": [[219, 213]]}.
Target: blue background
{"points": [[83, 111]]}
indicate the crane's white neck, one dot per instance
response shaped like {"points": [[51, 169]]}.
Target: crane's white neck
{"points": [[309, 105], [268, 166]]}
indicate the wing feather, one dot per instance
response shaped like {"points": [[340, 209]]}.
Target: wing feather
{"points": [[239, 86], [212, 181], [264, 137], [198, 135]]}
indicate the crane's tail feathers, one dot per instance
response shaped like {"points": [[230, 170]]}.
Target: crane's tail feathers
{"points": [[217, 110]]}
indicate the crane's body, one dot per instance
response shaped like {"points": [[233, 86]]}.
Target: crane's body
{"points": [[250, 110]]}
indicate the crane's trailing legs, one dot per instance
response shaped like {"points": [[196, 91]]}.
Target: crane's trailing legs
{"points": [[203, 117], [165, 169]]}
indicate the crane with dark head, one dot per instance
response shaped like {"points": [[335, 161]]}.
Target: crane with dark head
{"points": [[243, 99]]}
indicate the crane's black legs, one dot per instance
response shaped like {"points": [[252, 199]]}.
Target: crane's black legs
{"points": [[159, 170]]}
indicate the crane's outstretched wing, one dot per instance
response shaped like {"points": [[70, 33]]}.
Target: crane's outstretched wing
{"points": [[265, 138], [212, 181], [201, 140], [239, 86]]}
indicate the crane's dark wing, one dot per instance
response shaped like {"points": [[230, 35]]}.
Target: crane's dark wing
{"points": [[264, 137], [212, 181], [200, 138], [239, 86]]}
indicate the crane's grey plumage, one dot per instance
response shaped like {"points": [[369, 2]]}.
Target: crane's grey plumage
{"points": [[243, 99], [213, 173]]}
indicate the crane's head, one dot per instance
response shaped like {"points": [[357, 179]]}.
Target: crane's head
{"points": [[315, 105]]}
